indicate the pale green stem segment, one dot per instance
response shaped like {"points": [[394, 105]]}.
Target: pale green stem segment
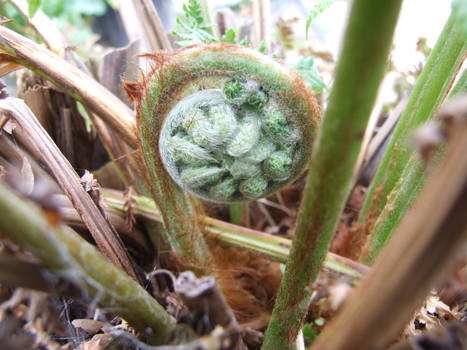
{"points": [[239, 213], [272, 247], [399, 201], [428, 93], [461, 85], [71, 257], [361, 67]]}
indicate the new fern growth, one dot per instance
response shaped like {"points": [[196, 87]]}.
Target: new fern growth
{"points": [[227, 123]]}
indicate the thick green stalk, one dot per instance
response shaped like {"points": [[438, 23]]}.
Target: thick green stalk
{"points": [[363, 60], [429, 91], [398, 202], [414, 261], [72, 258], [403, 195]]}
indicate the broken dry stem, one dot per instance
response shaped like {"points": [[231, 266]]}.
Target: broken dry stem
{"points": [[32, 135], [152, 24], [204, 299], [20, 50], [72, 258]]}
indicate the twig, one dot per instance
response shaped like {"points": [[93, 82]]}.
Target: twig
{"points": [[36, 138], [43, 26], [18, 49], [74, 259], [152, 25]]}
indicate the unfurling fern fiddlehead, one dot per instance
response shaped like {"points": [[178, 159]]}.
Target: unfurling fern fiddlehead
{"points": [[228, 123]]}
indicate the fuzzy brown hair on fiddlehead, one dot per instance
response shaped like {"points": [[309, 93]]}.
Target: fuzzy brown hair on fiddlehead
{"points": [[227, 123]]}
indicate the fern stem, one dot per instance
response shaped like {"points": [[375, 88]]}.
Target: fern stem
{"points": [[461, 85], [403, 195], [359, 72], [18, 49], [272, 247], [399, 201], [74, 259], [429, 91], [414, 261]]}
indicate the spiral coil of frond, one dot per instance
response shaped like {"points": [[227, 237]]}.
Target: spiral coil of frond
{"points": [[228, 123]]}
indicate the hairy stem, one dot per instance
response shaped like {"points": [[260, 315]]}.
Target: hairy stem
{"points": [[194, 137], [429, 91], [403, 195], [359, 72], [74, 259]]}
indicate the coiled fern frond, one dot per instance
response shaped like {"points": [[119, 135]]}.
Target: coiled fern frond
{"points": [[227, 123]]}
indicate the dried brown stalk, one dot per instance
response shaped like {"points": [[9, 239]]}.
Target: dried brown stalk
{"points": [[153, 29], [262, 22], [34, 136], [413, 261], [20, 50]]}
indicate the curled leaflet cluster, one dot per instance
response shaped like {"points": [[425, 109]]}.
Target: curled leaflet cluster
{"points": [[229, 143]]}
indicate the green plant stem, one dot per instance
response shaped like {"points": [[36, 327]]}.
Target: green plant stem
{"points": [[461, 85], [404, 193], [178, 210], [239, 214], [429, 91], [71, 257], [398, 202], [417, 257], [272, 247], [363, 60]]}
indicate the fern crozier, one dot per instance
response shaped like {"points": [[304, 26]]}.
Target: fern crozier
{"points": [[228, 123]]}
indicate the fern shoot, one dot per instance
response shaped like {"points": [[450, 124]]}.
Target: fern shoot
{"points": [[227, 123]]}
